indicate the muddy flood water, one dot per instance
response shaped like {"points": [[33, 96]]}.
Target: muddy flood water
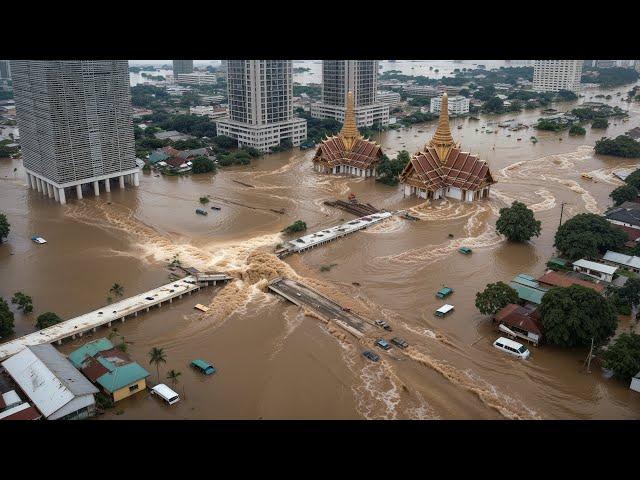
{"points": [[274, 361]]}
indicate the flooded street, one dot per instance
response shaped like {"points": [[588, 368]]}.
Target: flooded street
{"points": [[272, 360]]}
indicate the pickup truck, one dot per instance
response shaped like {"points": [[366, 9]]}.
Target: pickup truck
{"points": [[400, 342], [371, 356], [383, 324], [383, 344]]}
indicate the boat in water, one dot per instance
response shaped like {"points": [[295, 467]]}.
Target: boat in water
{"points": [[37, 239]]}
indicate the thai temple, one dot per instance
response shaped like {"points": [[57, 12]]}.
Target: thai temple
{"points": [[348, 152], [442, 169]]}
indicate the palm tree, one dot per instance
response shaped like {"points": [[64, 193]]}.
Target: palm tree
{"points": [[157, 356], [117, 290], [173, 376]]}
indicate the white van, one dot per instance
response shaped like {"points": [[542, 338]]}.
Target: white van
{"points": [[511, 347], [165, 393]]}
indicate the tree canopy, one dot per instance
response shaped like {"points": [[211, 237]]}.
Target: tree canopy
{"points": [[203, 165], [577, 130], [633, 179], [297, 226], [518, 223], [621, 146], [5, 227], [6, 319], [494, 297], [388, 170], [623, 356], [572, 316], [25, 303], [624, 193], [600, 123], [586, 235], [47, 319]]}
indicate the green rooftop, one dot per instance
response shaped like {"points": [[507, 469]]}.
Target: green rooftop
{"points": [[89, 350], [122, 376]]}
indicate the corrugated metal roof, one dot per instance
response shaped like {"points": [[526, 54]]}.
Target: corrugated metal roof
{"points": [[528, 294], [89, 349], [40, 380], [622, 259], [122, 376], [597, 267]]}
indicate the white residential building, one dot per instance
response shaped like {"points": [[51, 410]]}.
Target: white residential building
{"points": [[421, 91], [208, 111], [359, 77], [555, 75], [75, 124], [196, 78], [596, 270], [260, 96], [392, 99], [458, 105]]}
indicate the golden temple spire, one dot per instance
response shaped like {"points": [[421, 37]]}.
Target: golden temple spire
{"points": [[442, 140], [349, 132]]}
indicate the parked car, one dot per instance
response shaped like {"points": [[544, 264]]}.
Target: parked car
{"points": [[345, 309], [511, 347], [371, 356], [383, 324], [399, 342], [149, 298], [383, 344]]}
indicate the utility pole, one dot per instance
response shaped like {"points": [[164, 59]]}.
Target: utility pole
{"points": [[590, 355], [561, 212]]}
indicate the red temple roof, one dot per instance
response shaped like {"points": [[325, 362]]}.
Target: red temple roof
{"points": [[364, 153]]}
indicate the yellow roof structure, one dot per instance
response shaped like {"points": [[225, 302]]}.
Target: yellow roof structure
{"points": [[349, 132], [442, 140]]}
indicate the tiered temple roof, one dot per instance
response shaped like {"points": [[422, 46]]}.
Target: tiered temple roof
{"points": [[442, 163], [348, 147]]}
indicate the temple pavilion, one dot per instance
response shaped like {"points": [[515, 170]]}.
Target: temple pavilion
{"points": [[348, 152], [442, 169]]}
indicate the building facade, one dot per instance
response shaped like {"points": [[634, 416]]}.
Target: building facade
{"points": [[359, 77], [555, 75], [182, 67], [392, 99], [458, 105], [5, 70], [75, 124], [196, 78], [260, 97], [443, 170]]}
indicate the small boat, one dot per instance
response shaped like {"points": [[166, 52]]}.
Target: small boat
{"points": [[216, 208], [465, 250], [518, 139], [200, 211], [202, 366], [444, 292], [38, 239]]}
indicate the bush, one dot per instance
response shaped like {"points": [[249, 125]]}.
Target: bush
{"points": [[204, 200], [577, 130], [600, 123], [25, 303], [5, 227], [47, 319], [297, 226]]}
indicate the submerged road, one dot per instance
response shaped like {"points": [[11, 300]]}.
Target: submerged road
{"points": [[304, 296]]}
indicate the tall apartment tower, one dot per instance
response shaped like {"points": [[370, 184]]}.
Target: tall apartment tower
{"points": [[261, 104], [5, 70], [75, 124], [359, 77], [182, 66], [555, 75]]}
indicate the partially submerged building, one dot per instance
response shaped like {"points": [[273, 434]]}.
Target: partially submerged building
{"points": [[599, 271], [56, 388], [442, 169], [348, 152], [110, 368], [524, 322]]}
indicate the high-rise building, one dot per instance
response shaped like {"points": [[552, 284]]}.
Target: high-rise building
{"points": [[555, 75], [637, 65], [359, 77], [75, 124], [606, 63], [182, 66], [260, 96], [457, 105], [5, 69]]}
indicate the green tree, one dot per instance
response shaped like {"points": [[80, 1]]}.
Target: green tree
{"points": [[494, 297], [297, 226], [624, 193], [572, 316], [25, 303], [623, 356], [518, 223], [5, 227], [586, 235], [630, 294], [156, 357], [493, 105], [6, 319], [600, 123], [621, 146], [203, 165], [577, 130], [633, 179], [173, 376], [47, 319], [117, 290], [388, 170]]}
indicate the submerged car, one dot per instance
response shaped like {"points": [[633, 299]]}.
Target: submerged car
{"points": [[511, 347], [371, 356], [383, 324], [400, 342], [203, 367], [383, 344]]}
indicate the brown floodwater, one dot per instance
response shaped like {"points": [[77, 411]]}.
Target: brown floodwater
{"points": [[275, 361]]}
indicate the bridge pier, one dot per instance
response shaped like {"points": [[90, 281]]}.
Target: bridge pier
{"points": [[147, 309], [60, 342], [94, 329], [109, 324]]}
